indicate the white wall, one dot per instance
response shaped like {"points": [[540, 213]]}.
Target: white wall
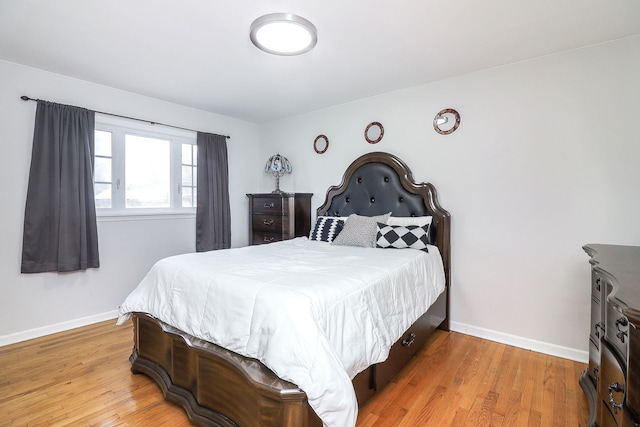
{"points": [[36, 304], [545, 161]]}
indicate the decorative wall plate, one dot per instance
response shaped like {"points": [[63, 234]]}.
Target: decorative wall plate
{"points": [[374, 132], [320, 144], [446, 121]]}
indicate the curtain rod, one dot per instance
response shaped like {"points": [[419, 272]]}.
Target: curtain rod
{"points": [[26, 98]]}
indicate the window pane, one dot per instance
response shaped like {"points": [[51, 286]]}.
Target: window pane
{"points": [[103, 195], [187, 177], [102, 170], [103, 143], [186, 154], [195, 176], [147, 172], [187, 197]]}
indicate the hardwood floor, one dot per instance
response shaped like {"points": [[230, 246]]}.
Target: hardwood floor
{"points": [[82, 378]]}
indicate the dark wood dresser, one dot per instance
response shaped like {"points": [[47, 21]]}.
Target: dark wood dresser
{"points": [[278, 216], [612, 381]]}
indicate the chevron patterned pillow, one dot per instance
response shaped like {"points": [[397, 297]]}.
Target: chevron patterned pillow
{"points": [[326, 229]]}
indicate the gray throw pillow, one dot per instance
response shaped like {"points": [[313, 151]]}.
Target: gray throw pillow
{"points": [[360, 231]]}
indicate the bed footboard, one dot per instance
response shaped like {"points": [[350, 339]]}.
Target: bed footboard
{"points": [[209, 381], [217, 387]]}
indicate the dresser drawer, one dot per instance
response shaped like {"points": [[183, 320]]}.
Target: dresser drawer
{"points": [[276, 217], [606, 418], [270, 223], [597, 283], [270, 205], [597, 329], [262, 237], [594, 362], [617, 330], [633, 377], [611, 387]]}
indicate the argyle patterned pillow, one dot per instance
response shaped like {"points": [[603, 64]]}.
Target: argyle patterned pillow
{"points": [[402, 236], [326, 228]]}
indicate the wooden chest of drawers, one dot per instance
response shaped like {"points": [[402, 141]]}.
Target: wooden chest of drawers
{"points": [[278, 216], [612, 381]]}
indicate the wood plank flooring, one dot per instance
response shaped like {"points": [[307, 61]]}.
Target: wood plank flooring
{"points": [[82, 378]]}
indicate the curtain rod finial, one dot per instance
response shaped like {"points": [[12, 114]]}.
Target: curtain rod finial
{"points": [[24, 98]]}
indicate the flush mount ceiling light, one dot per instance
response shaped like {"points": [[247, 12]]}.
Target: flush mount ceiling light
{"points": [[283, 34]]}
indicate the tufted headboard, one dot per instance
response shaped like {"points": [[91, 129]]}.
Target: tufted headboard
{"points": [[377, 183]]}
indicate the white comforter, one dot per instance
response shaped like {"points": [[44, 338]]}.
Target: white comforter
{"points": [[314, 313]]}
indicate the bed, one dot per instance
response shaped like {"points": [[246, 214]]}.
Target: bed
{"points": [[221, 387]]}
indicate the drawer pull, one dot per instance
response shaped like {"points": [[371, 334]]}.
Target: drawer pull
{"points": [[622, 321], [618, 388], [269, 205], [599, 327], [598, 284], [268, 222], [267, 239], [408, 341]]}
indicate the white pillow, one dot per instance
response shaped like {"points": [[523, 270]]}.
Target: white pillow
{"points": [[410, 220]]}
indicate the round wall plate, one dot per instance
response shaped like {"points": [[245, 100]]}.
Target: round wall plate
{"points": [[446, 121], [374, 132], [321, 144]]}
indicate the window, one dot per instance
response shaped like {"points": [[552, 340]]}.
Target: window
{"points": [[189, 175], [102, 169], [144, 169]]}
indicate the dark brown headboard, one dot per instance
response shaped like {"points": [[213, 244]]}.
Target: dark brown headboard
{"points": [[377, 183]]}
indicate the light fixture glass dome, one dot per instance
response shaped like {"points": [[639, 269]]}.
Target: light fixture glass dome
{"points": [[283, 34]]}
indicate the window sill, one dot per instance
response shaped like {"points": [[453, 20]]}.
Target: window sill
{"points": [[144, 215]]}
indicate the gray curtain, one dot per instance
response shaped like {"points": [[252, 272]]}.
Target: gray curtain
{"points": [[213, 215], [60, 232]]}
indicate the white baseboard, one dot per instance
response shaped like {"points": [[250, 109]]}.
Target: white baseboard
{"points": [[58, 327], [516, 341], [526, 343]]}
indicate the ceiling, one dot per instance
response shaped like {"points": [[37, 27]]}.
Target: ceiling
{"points": [[198, 53]]}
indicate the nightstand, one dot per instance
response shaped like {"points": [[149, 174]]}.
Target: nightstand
{"points": [[274, 217]]}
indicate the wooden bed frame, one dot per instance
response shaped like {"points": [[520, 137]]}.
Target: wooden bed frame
{"points": [[217, 387]]}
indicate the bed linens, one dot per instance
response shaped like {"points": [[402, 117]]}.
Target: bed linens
{"points": [[315, 313]]}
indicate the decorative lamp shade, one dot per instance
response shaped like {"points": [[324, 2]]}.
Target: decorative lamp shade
{"points": [[277, 166]]}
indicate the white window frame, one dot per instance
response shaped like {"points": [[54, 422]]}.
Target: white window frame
{"points": [[119, 127]]}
